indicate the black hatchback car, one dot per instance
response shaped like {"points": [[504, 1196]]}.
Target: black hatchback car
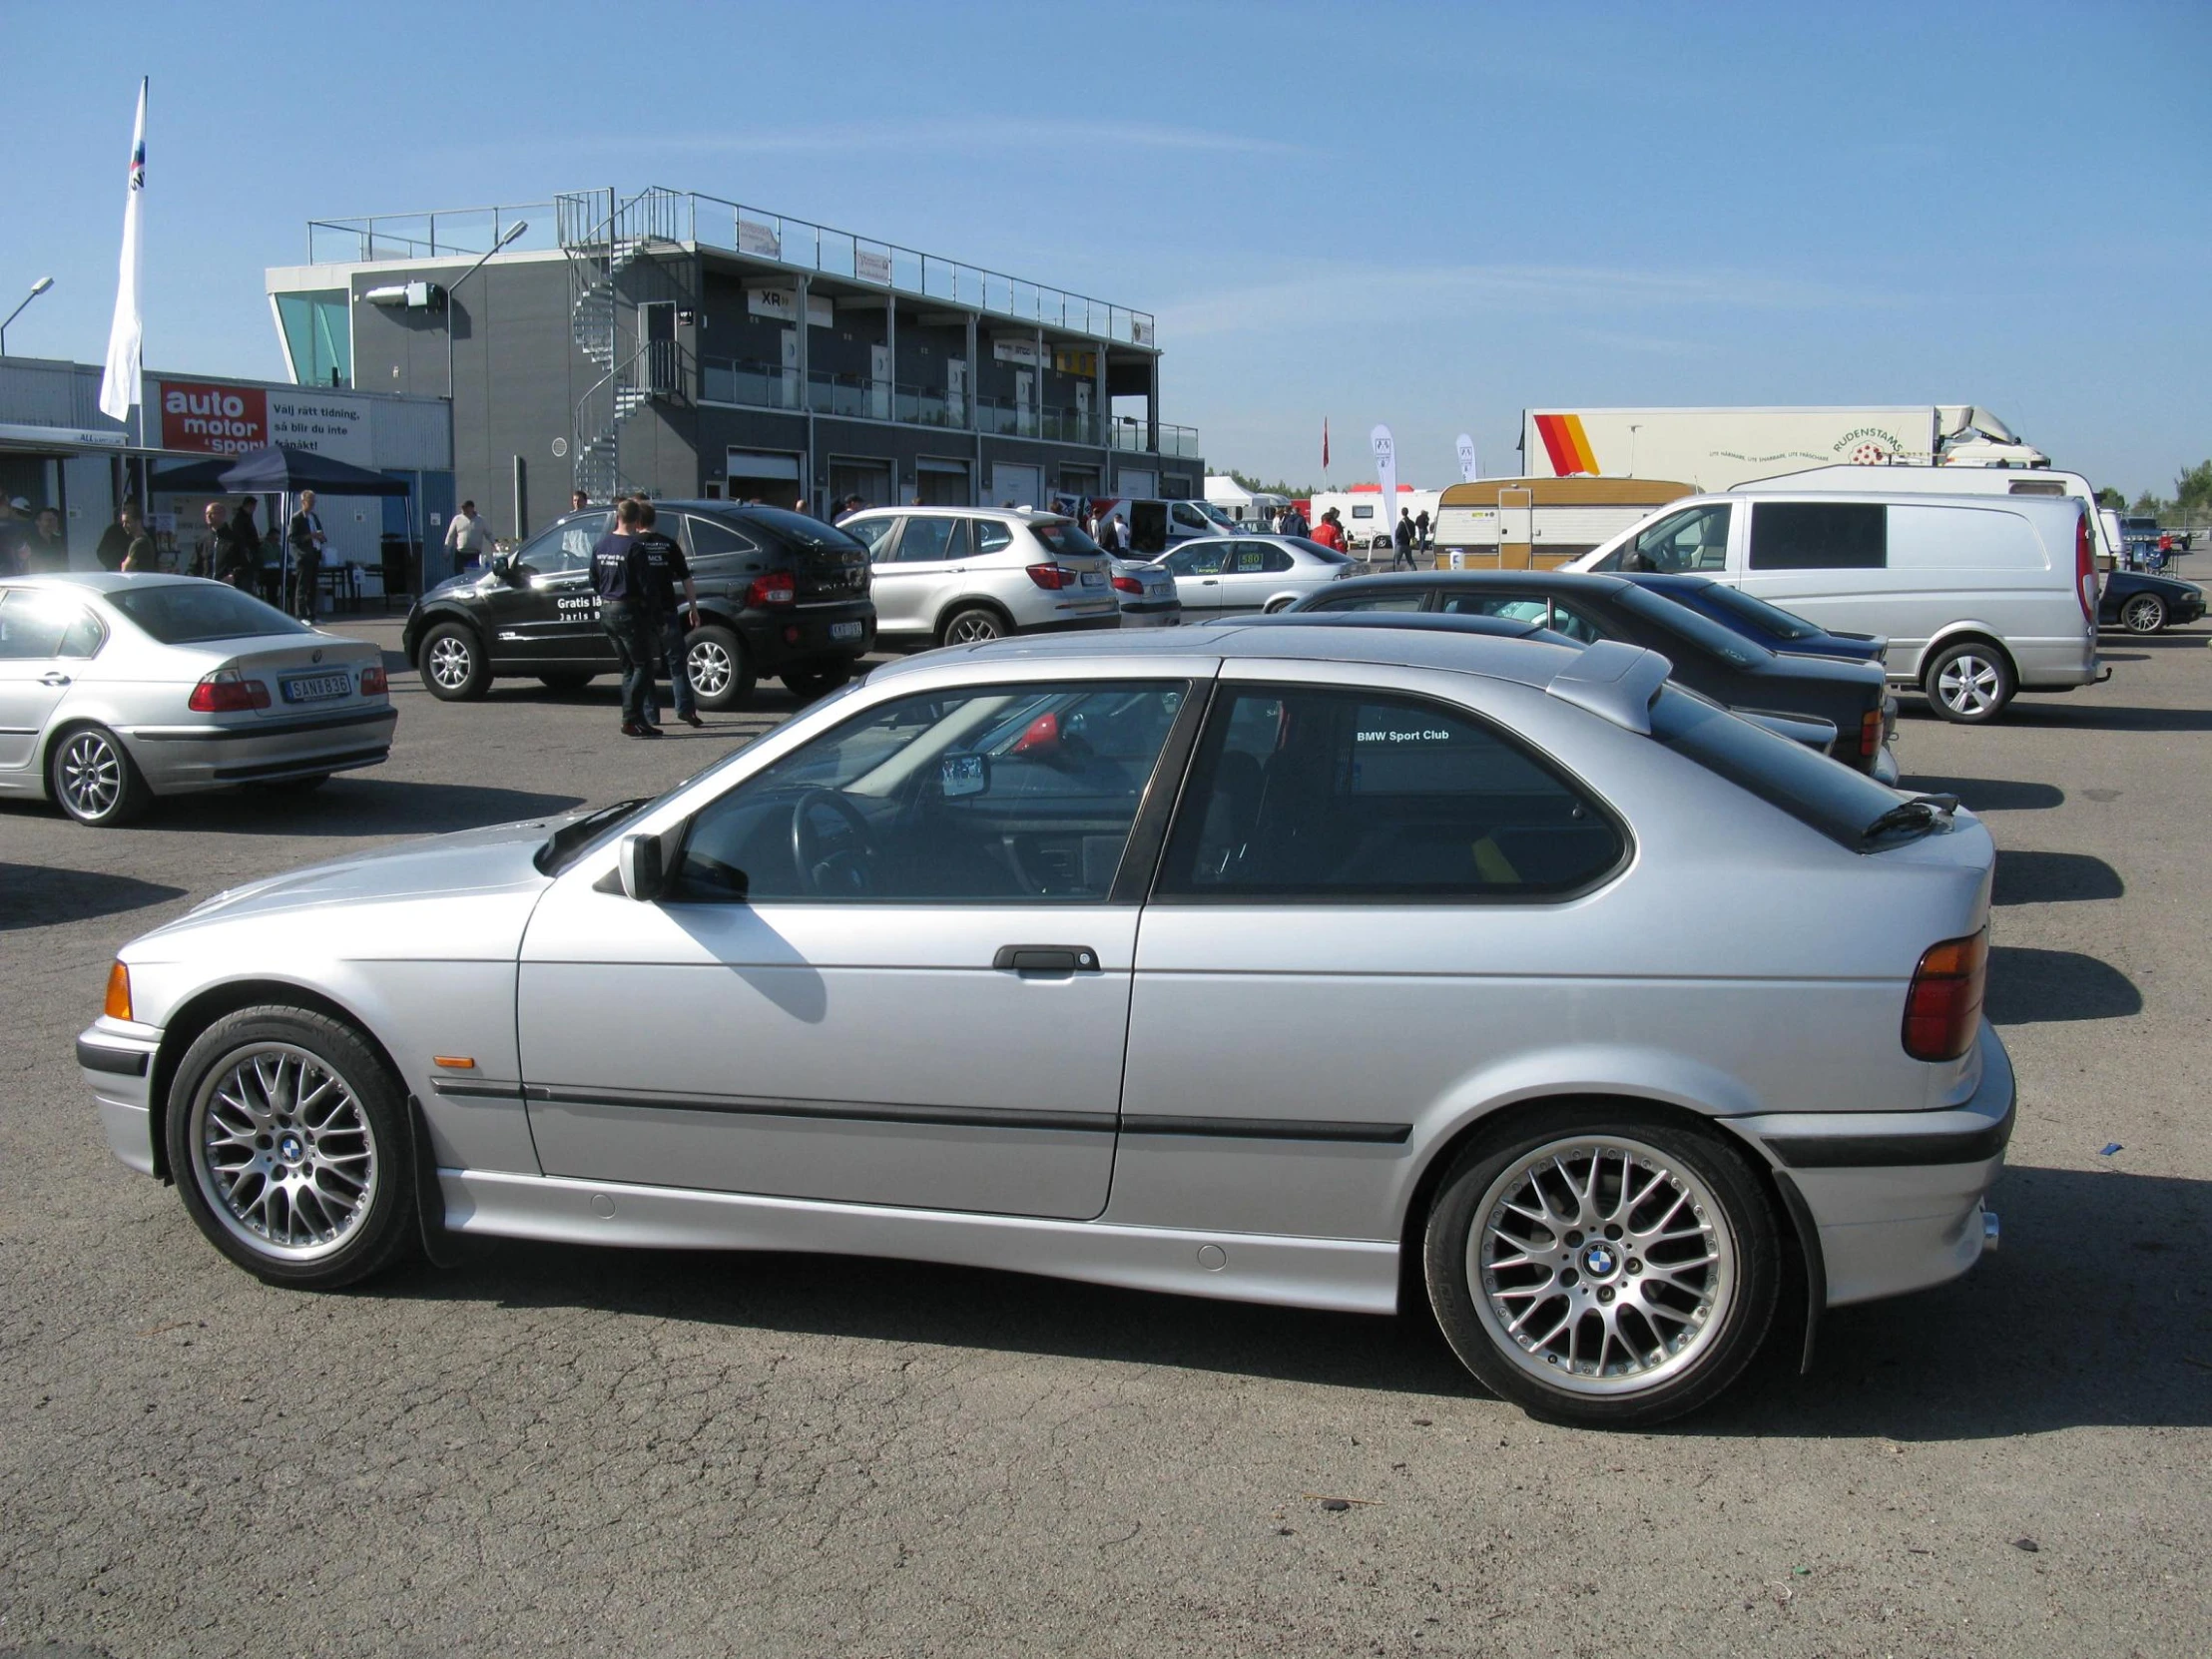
{"points": [[1844, 706], [779, 594]]}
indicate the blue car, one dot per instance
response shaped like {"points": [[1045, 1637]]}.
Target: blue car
{"points": [[1755, 619]]}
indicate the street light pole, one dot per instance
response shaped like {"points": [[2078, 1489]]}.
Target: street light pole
{"points": [[38, 287], [520, 225]]}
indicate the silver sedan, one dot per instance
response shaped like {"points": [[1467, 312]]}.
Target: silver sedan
{"points": [[1558, 991], [1220, 575], [116, 689]]}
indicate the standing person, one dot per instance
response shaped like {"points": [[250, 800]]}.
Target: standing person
{"points": [[668, 624], [1401, 541], [305, 538], [139, 553], [1329, 531], [578, 501], [47, 550], [223, 556], [115, 540], [247, 534], [622, 578], [1294, 522], [467, 538], [1420, 531], [15, 536]]}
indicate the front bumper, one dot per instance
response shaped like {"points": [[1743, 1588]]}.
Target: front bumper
{"points": [[117, 1061], [1897, 1195]]}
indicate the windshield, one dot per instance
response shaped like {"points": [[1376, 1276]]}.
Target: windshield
{"points": [[1773, 619], [1215, 515], [568, 842], [1843, 805], [1700, 630], [191, 613]]}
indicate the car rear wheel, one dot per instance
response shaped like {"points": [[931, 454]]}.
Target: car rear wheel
{"points": [[452, 663], [722, 673], [288, 1140], [1604, 1267], [2146, 613], [573, 680], [1969, 683], [91, 778], [973, 626]]}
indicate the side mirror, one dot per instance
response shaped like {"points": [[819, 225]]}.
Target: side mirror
{"points": [[643, 876]]}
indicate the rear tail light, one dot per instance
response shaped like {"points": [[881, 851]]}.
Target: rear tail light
{"points": [[374, 683], [227, 692], [2086, 572], [1943, 1010], [1128, 584], [778, 586], [1052, 578], [1870, 730]]}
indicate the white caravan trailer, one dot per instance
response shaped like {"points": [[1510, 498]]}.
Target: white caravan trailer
{"points": [[1361, 512], [1717, 449]]}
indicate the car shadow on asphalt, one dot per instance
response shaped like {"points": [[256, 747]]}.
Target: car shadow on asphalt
{"points": [[2027, 878], [39, 896], [2031, 986], [1988, 795], [2096, 716], [352, 806]]}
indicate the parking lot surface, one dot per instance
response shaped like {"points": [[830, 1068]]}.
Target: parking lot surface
{"points": [[547, 1449]]}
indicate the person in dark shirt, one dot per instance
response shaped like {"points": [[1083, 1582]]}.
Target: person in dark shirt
{"points": [[47, 550], [671, 621], [116, 539], [621, 576], [15, 535], [248, 535]]}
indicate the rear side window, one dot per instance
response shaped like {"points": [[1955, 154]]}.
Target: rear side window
{"points": [[1818, 535], [990, 535], [32, 625], [1811, 788], [1327, 795], [712, 540], [1963, 538], [1396, 599]]}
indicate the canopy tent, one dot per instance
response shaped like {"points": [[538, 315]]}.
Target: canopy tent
{"points": [[278, 470]]}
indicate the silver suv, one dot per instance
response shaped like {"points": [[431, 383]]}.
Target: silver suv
{"points": [[960, 575]]}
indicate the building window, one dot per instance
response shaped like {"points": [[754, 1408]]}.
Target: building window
{"points": [[318, 333]]}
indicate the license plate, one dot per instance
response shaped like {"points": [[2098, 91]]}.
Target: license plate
{"points": [[844, 630], [1094, 578], [316, 688]]}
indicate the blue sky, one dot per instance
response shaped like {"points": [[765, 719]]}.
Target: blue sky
{"points": [[1431, 215]]}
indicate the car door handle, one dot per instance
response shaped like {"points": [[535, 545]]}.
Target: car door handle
{"points": [[53, 676], [1045, 959]]}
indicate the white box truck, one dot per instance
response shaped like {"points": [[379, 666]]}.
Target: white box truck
{"points": [[1717, 449]]}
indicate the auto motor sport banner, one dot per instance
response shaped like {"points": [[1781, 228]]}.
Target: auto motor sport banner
{"points": [[202, 418]]}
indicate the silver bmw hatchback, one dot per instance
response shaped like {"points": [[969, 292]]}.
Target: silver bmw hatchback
{"points": [[1557, 991]]}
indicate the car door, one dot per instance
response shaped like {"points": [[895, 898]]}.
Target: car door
{"points": [[1828, 561], [544, 610], [1197, 568], [1353, 854], [44, 639], [911, 589], [1246, 583], [890, 966]]}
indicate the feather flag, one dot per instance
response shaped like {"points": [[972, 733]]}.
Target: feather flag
{"points": [[1324, 443], [119, 386]]}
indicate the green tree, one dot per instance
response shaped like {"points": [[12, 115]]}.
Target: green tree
{"points": [[2193, 489], [2110, 497], [2146, 503]]}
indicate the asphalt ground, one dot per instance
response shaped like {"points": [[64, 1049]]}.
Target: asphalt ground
{"points": [[559, 1449]]}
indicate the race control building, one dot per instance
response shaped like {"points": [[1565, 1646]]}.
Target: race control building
{"points": [[687, 346]]}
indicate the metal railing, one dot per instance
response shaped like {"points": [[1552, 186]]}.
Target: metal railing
{"points": [[760, 385], [712, 222], [1131, 434]]}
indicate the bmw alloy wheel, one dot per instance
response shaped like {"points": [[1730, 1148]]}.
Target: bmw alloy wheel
{"points": [[1971, 685], [1601, 1265], [283, 1154], [450, 662], [90, 774], [2144, 614], [974, 628]]}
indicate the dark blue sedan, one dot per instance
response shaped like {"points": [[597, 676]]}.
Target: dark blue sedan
{"points": [[1755, 619]]}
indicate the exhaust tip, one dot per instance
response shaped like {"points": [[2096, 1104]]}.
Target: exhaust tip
{"points": [[1990, 1231]]}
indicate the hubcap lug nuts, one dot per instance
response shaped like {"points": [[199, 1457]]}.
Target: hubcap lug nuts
{"points": [[1574, 1238], [1613, 1229], [1635, 1266], [1606, 1293]]}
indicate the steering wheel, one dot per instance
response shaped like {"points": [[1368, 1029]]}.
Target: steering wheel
{"points": [[825, 869]]}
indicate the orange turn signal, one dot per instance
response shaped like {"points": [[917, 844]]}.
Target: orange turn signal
{"points": [[453, 1062], [119, 993]]}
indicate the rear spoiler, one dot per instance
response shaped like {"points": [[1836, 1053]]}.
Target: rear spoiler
{"points": [[1614, 680]]}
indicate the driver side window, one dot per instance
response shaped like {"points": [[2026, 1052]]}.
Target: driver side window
{"points": [[1693, 540], [566, 548], [1018, 794]]}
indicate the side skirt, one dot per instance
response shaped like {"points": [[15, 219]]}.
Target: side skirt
{"points": [[1352, 1276]]}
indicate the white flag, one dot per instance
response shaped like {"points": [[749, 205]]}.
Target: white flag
{"points": [[119, 387], [1385, 474], [1466, 458]]}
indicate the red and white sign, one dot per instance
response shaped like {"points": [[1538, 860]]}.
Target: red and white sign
{"points": [[213, 420]]}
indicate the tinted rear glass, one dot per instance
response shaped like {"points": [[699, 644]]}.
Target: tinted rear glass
{"points": [[1064, 536], [189, 613], [1700, 630], [1782, 625], [1810, 787], [799, 529], [1327, 555], [1818, 535]]}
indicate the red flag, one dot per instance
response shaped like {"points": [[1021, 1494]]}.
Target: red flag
{"points": [[1324, 443]]}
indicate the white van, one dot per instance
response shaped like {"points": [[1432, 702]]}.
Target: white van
{"points": [[1954, 479], [1978, 596]]}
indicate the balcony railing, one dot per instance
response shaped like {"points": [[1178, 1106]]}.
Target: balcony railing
{"points": [[458, 232], [1130, 434], [760, 385]]}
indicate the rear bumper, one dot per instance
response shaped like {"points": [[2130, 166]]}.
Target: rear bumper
{"points": [[177, 759], [1897, 1195], [780, 640], [1159, 614]]}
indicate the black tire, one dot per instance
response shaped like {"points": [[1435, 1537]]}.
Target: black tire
{"points": [[1676, 1333], [93, 778], [720, 669], [2143, 613], [321, 1160], [1969, 683], [452, 663], [568, 680], [812, 681], [974, 625]]}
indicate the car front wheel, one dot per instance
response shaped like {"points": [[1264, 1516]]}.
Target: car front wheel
{"points": [[290, 1146], [1603, 1268], [1969, 683], [2143, 614], [93, 778], [452, 663]]}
